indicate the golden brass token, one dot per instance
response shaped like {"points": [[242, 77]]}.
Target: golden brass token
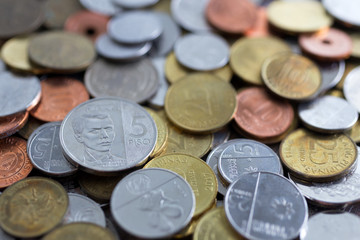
{"points": [[200, 103], [355, 38], [162, 133], [335, 93], [80, 230], [196, 172], [318, 158], [61, 51], [354, 132], [32, 207], [291, 76], [248, 54], [174, 71], [298, 16]]}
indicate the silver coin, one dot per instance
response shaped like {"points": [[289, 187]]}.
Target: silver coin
{"points": [[136, 81], [202, 52], [331, 74], [71, 184], [265, 205], [220, 137], [152, 203], [45, 152], [5, 236], [246, 156], [135, 3], [344, 10], [107, 135], [106, 7], [333, 226], [83, 209], [135, 27], [171, 32], [158, 99], [352, 88], [190, 14], [2, 66], [18, 93], [328, 114], [109, 49]]}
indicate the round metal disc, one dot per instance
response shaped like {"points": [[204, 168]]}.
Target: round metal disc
{"points": [[352, 88]]}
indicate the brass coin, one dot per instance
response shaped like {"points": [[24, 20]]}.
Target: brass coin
{"points": [[335, 93], [196, 172], [355, 38], [200, 103], [162, 133], [32, 207], [174, 71], [298, 16], [80, 230], [291, 76], [248, 54], [61, 51], [318, 158], [354, 132]]}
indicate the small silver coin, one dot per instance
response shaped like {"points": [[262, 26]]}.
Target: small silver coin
{"points": [[83, 209], [108, 135], [265, 205], [152, 203], [333, 226], [246, 156], [45, 152], [112, 50], [18, 93], [158, 99], [134, 27], [135, 3], [220, 137], [105, 7], [202, 52], [136, 81], [328, 114], [352, 88], [190, 15], [344, 10]]}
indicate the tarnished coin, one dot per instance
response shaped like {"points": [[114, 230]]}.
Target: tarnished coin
{"points": [[57, 11], [12, 123], [136, 81], [202, 52], [152, 203], [31, 125], [45, 152], [105, 7], [344, 10], [328, 114], [18, 93], [264, 205], [32, 207], [135, 3], [107, 135], [162, 133], [352, 88], [158, 99]]}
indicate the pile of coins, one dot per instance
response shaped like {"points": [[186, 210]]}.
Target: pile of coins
{"points": [[179, 119]]}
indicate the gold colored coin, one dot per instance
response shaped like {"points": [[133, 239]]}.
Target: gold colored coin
{"points": [[200, 103], [298, 16], [248, 54], [318, 158], [291, 76], [355, 38], [162, 6], [349, 66], [80, 230], [336, 93], [31, 125], [32, 207], [61, 51], [196, 172], [162, 133], [354, 132], [174, 71]]}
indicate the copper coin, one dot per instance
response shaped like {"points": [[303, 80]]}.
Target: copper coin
{"points": [[59, 96], [14, 161], [11, 124], [87, 23], [261, 115], [261, 25], [330, 44], [231, 16]]}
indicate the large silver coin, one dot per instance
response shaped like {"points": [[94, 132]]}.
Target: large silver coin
{"points": [[265, 205], [346, 11], [105, 7], [18, 93], [135, 27], [152, 203], [136, 81], [328, 114], [333, 226], [83, 209], [45, 152], [158, 99], [246, 156], [107, 135], [135, 3], [352, 88], [202, 52]]}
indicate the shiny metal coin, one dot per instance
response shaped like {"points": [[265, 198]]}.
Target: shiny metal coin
{"points": [[328, 114], [352, 88], [45, 152], [107, 135], [135, 3], [331, 74], [265, 205], [105, 7], [152, 203], [344, 10], [220, 137], [158, 99]]}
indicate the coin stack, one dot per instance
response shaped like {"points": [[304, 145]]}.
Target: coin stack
{"points": [[179, 119]]}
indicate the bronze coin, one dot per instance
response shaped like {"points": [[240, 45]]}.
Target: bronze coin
{"points": [[261, 25], [11, 124], [59, 96], [327, 45], [14, 161], [87, 23]]}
